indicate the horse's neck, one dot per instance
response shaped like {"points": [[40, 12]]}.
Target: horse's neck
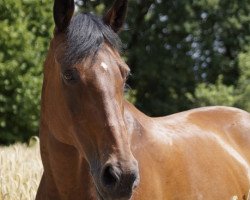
{"points": [[136, 121], [64, 168]]}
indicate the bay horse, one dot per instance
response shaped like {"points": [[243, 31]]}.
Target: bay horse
{"points": [[96, 145]]}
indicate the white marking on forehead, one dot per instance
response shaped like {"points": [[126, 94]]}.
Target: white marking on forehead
{"points": [[104, 66]]}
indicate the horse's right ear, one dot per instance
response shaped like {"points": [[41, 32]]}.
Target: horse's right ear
{"points": [[115, 17], [63, 11]]}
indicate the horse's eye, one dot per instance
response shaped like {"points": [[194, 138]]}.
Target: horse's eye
{"points": [[70, 75]]}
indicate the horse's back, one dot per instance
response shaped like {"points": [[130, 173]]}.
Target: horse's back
{"points": [[198, 154], [231, 125]]}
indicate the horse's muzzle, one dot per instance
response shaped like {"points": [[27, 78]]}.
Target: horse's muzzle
{"points": [[117, 182]]}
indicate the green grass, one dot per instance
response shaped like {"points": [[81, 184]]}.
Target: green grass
{"points": [[20, 171]]}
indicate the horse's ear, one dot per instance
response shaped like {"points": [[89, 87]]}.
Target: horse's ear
{"points": [[63, 11], [116, 15]]}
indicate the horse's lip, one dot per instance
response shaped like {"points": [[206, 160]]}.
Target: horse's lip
{"points": [[100, 197]]}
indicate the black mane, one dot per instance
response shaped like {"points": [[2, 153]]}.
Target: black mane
{"points": [[85, 35]]}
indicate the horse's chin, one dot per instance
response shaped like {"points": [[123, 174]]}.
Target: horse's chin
{"points": [[100, 197]]}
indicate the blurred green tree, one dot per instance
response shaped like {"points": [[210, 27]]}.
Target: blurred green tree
{"points": [[237, 95], [25, 32], [243, 86]]}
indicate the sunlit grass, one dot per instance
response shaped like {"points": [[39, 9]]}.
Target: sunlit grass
{"points": [[20, 171]]}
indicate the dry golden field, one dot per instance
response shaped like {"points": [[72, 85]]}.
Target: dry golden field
{"points": [[20, 171]]}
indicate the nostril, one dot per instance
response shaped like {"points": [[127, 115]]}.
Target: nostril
{"points": [[110, 177]]}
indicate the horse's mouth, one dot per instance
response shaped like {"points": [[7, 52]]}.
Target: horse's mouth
{"points": [[100, 197]]}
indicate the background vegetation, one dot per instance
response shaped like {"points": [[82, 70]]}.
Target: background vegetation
{"points": [[24, 36], [21, 171], [183, 54]]}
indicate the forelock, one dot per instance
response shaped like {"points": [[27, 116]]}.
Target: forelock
{"points": [[85, 35]]}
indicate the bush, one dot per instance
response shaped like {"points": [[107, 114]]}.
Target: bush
{"points": [[25, 30], [227, 95]]}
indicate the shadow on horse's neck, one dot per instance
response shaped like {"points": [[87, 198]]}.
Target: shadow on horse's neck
{"points": [[135, 120]]}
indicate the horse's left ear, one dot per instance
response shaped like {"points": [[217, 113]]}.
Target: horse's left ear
{"points": [[115, 17], [63, 11]]}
